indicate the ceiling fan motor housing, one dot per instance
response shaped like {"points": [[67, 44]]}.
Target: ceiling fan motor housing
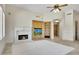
{"points": [[56, 6]]}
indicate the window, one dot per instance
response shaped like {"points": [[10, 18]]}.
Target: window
{"points": [[2, 24]]}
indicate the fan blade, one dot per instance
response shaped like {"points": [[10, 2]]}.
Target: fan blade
{"points": [[63, 5], [50, 7], [51, 10], [59, 9]]}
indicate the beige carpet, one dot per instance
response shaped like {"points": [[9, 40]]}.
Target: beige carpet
{"points": [[41, 47]]}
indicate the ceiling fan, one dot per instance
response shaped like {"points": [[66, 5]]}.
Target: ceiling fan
{"points": [[57, 7]]}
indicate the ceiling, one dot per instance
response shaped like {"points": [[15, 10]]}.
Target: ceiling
{"points": [[41, 8]]}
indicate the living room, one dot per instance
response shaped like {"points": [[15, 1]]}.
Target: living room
{"points": [[35, 23]]}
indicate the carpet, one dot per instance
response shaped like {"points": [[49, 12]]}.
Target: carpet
{"points": [[41, 47]]}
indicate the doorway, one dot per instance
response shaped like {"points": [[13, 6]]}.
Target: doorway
{"points": [[76, 23], [56, 29]]}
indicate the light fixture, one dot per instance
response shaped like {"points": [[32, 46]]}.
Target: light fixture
{"points": [[56, 7], [56, 20], [56, 10]]}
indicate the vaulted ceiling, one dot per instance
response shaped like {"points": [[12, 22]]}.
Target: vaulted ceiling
{"points": [[42, 8]]}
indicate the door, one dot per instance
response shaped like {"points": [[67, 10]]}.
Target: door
{"points": [[56, 29]]}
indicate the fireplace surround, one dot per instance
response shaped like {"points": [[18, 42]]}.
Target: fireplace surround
{"points": [[23, 34]]}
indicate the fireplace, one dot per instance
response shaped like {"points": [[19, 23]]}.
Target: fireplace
{"points": [[22, 37], [23, 34]]}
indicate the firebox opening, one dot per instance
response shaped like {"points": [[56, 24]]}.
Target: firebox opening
{"points": [[22, 37]]}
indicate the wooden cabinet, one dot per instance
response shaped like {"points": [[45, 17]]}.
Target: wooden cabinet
{"points": [[37, 29], [47, 30]]}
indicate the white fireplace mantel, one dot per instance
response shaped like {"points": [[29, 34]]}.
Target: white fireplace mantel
{"points": [[23, 31]]}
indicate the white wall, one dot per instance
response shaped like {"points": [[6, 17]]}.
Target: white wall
{"points": [[76, 18], [2, 29], [67, 25], [68, 28], [52, 30], [51, 17], [23, 18], [17, 17]]}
